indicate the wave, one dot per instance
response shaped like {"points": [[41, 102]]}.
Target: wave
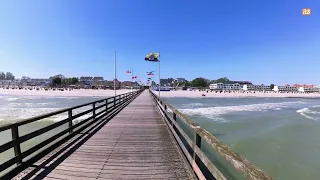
{"points": [[28, 105], [307, 110], [192, 105], [63, 97], [12, 99], [14, 113], [22, 113], [63, 117], [214, 112], [309, 114], [9, 98]]}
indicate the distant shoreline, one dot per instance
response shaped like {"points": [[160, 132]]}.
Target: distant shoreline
{"points": [[198, 94], [164, 94], [65, 93]]}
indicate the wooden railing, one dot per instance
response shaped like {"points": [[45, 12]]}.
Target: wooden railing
{"points": [[107, 106], [196, 156]]}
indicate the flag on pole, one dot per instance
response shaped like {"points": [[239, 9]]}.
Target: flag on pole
{"points": [[150, 74], [152, 57], [128, 71]]}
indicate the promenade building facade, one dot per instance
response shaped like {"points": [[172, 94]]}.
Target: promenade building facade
{"points": [[10, 82], [297, 88], [26, 82], [257, 88], [126, 84], [181, 80], [86, 80], [97, 81], [227, 87], [37, 82], [167, 82]]}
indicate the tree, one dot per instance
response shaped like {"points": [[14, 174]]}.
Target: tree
{"points": [[74, 80], [222, 80], [65, 81], [271, 86], [187, 84], [9, 76], [2, 76], [60, 76], [56, 81], [199, 82]]}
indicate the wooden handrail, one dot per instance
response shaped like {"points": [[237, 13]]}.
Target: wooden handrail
{"points": [[17, 140], [241, 164]]}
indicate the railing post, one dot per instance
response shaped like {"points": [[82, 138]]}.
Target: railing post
{"points": [[70, 120], [174, 115], [197, 142], [15, 138], [94, 111], [114, 101], [106, 105]]}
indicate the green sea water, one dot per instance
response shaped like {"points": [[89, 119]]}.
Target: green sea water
{"points": [[279, 135]]}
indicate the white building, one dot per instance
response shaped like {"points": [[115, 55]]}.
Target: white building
{"points": [[296, 89], [312, 89], [301, 89], [181, 80], [288, 88], [38, 82], [216, 86], [97, 80], [14, 82], [257, 88], [221, 86], [86, 80], [231, 87], [275, 88]]}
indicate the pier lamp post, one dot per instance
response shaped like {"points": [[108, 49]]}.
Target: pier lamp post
{"points": [[115, 73], [154, 57]]}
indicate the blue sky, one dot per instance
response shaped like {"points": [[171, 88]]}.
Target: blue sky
{"points": [[262, 41]]}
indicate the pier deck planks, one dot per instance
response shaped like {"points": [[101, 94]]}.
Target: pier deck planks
{"points": [[135, 144]]}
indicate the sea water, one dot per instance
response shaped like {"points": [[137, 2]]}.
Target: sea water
{"points": [[281, 136], [14, 108]]}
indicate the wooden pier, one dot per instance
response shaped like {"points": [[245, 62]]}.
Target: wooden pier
{"points": [[133, 136]]}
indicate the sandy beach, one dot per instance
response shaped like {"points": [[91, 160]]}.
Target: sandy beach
{"points": [[198, 94], [165, 94], [75, 92]]}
